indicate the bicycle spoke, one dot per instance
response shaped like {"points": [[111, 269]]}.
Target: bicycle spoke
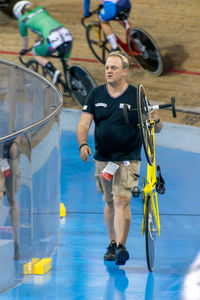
{"points": [[80, 83], [150, 235], [144, 124], [97, 45]]}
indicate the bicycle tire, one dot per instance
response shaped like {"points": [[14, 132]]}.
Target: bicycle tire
{"points": [[80, 83], [151, 60], [8, 9], [33, 65], [144, 124], [150, 235], [100, 47]]}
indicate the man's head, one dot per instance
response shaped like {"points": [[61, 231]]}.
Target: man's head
{"points": [[116, 67], [21, 7], [124, 60]]}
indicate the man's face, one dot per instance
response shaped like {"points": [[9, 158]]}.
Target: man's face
{"points": [[114, 71]]}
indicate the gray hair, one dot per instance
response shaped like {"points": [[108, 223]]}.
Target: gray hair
{"points": [[125, 62]]}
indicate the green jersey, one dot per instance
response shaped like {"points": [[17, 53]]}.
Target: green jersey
{"points": [[39, 21], [52, 32]]}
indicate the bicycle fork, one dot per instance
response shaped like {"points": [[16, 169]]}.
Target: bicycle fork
{"points": [[148, 192]]}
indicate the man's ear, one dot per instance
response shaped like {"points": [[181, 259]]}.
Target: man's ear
{"points": [[125, 71]]}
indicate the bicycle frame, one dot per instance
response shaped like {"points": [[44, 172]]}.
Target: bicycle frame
{"points": [[149, 189], [124, 45]]}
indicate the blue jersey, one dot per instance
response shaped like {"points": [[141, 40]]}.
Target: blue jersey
{"points": [[119, 4]]}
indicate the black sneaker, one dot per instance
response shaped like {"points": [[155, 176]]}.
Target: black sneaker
{"points": [[110, 254], [122, 255]]}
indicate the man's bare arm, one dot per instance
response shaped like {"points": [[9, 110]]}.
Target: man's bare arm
{"points": [[82, 135]]}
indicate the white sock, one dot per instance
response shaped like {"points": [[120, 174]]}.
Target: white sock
{"points": [[112, 40]]}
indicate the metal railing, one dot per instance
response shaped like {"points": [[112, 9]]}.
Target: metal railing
{"points": [[30, 109]]}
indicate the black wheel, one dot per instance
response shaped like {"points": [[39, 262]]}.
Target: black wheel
{"points": [[150, 235], [7, 7], [80, 83], [97, 42], [151, 59], [145, 124], [33, 65]]}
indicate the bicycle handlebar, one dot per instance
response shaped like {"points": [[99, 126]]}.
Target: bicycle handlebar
{"points": [[95, 11], [20, 56], [162, 106]]}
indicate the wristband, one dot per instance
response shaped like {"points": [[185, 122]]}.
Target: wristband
{"points": [[85, 144], [157, 121]]}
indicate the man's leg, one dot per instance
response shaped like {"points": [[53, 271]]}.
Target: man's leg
{"points": [[107, 29], [122, 218], [122, 223], [125, 179], [12, 184], [109, 220], [39, 55], [108, 13], [105, 188]]}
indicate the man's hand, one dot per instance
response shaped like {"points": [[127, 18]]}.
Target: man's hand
{"points": [[85, 151], [88, 15], [155, 117], [22, 52]]}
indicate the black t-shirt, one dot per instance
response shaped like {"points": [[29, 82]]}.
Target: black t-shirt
{"points": [[114, 139]]}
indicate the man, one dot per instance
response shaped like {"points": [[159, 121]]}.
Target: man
{"points": [[115, 142], [110, 10], [9, 184], [50, 34]]}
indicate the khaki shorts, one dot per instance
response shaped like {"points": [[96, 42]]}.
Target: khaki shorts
{"points": [[10, 185], [122, 183]]}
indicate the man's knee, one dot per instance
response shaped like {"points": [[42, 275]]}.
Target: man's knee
{"points": [[121, 200]]}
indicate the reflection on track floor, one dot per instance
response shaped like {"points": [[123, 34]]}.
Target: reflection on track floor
{"points": [[79, 271]]}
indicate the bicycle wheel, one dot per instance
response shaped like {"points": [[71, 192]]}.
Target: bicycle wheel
{"points": [[33, 65], [151, 59], [38, 68], [80, 83], [150, 235], [98, 44], [144, 124], [7, 8]]}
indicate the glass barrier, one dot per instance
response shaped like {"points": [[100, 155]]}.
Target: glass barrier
{"points": [[29, 170]]}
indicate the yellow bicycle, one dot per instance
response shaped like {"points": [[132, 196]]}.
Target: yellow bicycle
{"points": [[154, 184]]}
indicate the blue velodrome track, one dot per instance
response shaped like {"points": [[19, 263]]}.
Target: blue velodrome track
{"points": [[79, 271]]}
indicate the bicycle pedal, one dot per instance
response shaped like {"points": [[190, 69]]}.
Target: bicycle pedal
{"points": [[160, 188]]}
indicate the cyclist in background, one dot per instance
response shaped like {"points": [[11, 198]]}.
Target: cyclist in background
{"points": [[109, 11], [50, 34]]}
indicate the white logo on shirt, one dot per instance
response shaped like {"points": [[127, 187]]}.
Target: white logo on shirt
{"points": [[121, 105], [85, 107], [101, 104]]}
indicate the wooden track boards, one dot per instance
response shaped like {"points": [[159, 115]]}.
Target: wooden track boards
{"points": [[173, 24]]}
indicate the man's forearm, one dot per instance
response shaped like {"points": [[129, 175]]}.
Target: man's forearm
{"points": [[82, 134], [25, 42]]}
